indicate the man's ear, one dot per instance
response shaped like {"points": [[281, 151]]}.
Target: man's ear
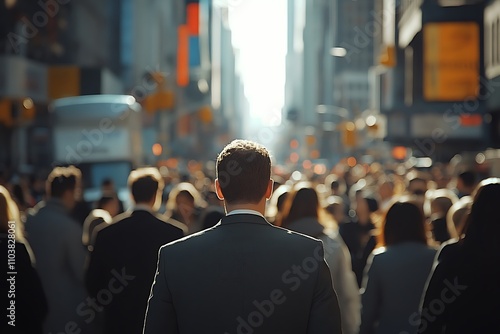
{"points": [[218, 190], [269, 190]]}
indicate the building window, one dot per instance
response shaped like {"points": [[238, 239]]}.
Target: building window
{"points": [[492, 39]]}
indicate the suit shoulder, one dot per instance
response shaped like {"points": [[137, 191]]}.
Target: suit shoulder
{"points": [[296, 239], [171, 223]]}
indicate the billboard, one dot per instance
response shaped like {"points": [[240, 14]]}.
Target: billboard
{"points": [[451, 61]]}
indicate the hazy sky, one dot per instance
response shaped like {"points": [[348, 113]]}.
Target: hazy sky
{"points": [[259, 33]]}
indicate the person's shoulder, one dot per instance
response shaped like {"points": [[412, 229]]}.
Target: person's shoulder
{"points": [[449, 250], [32, 212], [296, 239], [170, 223], [380, 252], [118, 222], [186, 241]]}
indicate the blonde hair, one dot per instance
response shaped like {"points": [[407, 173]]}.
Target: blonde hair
{"points": [[184, 187], [9, 214]]}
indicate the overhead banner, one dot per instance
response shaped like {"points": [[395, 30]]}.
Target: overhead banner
{"points": [[451, 61]]}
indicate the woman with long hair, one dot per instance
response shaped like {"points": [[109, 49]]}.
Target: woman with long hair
{"points": [[302, 213], [21, 287], [396, 273], [463, 292]]}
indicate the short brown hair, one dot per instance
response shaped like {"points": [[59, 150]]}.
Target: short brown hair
{"points": [[62, 179], [144, 183], [243, 170]]}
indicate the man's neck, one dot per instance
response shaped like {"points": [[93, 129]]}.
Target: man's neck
{"points": [[259, 207], [144, 206]]}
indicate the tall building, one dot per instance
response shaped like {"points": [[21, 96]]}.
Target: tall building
{"points": [[431, 82], [48, 50], [356, 28], [330, 53]]}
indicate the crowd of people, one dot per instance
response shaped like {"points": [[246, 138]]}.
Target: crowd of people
{"points": [[407, 250]]}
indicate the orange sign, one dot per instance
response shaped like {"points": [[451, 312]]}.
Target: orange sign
{"points": [[183, 56], [451, 61]]}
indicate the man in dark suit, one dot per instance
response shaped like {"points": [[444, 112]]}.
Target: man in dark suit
{"points": [[122, 263], [243, 275]]}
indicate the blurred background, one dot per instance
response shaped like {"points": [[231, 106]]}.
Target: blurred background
{"points": [[319, 82]]}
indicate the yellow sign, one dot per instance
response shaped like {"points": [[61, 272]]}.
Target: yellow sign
{"points": [[451, 61]]}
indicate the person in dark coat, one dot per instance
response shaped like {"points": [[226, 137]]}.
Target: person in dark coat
{"points": [[358, 234], [24, 302], [122, 263], [243, 275], [463, 292]]}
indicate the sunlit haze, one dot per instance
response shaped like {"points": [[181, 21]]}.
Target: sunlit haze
{"points": [[259, 33]]}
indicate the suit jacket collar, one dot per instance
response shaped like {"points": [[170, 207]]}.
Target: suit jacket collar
{"points": [[244, 219]]}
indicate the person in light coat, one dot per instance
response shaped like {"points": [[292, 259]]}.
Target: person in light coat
{"points": [[302, 213]]}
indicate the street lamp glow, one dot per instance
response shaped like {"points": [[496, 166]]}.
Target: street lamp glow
{"points": [[338, 52]]}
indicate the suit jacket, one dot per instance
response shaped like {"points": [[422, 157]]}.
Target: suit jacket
{"points": [[121, 268], [394, 281], [462, 294], [339, 260], [30, 303], [56, 241], [243, 275]]}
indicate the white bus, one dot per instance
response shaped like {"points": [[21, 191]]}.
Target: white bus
{"points": [[101, 135]]}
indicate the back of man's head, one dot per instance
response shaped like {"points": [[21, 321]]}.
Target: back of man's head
{"points": [[243, 170], [61, 180], [144, 184], [468, 178]]}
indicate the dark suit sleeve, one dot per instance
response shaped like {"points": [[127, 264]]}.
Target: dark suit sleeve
{"points": [[95, 267], [30, 294], [430, 322], [324, 316], [371, 297], [160, 313]]}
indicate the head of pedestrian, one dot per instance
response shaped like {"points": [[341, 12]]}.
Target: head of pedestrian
{"points": [[146, 187], [404, 222], [64, 184], [243, 171], [482, 228]]}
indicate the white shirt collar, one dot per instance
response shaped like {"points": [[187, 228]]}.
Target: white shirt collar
{"points": [[244, 211]]}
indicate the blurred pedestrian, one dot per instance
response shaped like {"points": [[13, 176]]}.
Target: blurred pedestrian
{"points": [[396, 273], [274, 208], [466, 183], [359, 233], [303, 214], [439, 202], [126, 252], [24, 301], [463, 293], [107, 207], [56, 240], [457, 217], [185, 204], [108, 188], [244, 274], [386, 192]]}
